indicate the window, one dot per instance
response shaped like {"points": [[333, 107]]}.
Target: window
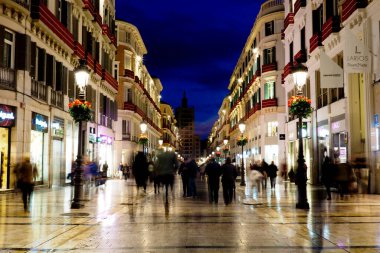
{"points": [[303, 39], [8, 60], [269, 55], [272, 128], [291, 52], [269, 90], [269, 28]]}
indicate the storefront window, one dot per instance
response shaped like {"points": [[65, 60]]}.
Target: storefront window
{"points": [[38, 151], [4, 159]]}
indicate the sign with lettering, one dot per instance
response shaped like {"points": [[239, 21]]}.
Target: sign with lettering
{"points": [[331, 73], [357, 58], [282, 136], [40, 122], [376, 120], [7, 116]]}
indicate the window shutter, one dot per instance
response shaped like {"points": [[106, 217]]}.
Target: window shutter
{"points": [[41, 65], [64, 80], [84, 38], [50, 70], [58, 76], [20, 53], [33, 59], [93, 98], [273, 54], [71, 85], [2, 36]]}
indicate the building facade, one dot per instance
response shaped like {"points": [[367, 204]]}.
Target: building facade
{"points": [[256, 95], [185, 119], [344, 123], [41, 43], [169, 128], [138, 97]]}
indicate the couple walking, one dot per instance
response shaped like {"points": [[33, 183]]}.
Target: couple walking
{"points": [[228, 172]]}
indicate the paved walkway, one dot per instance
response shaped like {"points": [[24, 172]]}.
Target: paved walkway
{"points": [[119, 219]]}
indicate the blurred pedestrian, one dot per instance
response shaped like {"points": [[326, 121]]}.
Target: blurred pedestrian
{"points": [[264, 170], [213, 172], [140, 170], [193, 170], [328, 175], [26, 175], [184, 172], [272, 173], [166, 166], [229, 174]]}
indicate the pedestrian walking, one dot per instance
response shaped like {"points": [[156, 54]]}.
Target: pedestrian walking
{"points": [[193, 170], [184, 172], [26, 175], [328, 175], [229, 174], [140, 170], [166, 166], [264, 170], [213, 172], [272, 173]]}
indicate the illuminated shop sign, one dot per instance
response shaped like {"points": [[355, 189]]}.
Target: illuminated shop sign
{"points": [[104, 139], [40, 122], [7, 116], [57, 128]]}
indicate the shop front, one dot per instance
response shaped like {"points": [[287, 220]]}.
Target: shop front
{"points": [[340, 140], [39, 146], [7, 122], [105, 153], [58, 163]]}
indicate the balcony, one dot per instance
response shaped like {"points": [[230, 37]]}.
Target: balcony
{"points": [[107, 31], [129, 73], [7, 78], [56, 99], [271, 6], [109, 78], [269, 102], [332, 25], [79, 50], [89, 5], [301, 56], [257, 107], [257, 73], [287, 69], [39, 90], [269, 67], [129, 106], [298, 5], [350, 6], [23, 3], [315, 41], [41, 12], [289, 20]]}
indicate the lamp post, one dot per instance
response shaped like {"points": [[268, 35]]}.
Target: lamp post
{"points": [[300, 76], [242, 129], [143, 127], [81, 78], [160, 142]]}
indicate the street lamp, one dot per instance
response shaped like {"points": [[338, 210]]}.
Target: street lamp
{"points": [[160, 142], [300, 76], [242, 129], [143, 127], [81, 77]]}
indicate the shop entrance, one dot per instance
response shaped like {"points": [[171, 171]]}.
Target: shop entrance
{"points": [[340, 146], [4, 159], [37, 153]]}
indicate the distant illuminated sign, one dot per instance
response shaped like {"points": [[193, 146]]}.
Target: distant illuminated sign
{"points": [[57, 128], [7, 116], [40, 122]]}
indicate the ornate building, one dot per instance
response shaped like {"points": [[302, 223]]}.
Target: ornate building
{"points": [[41, 43], [256, 95], [169, 128], [138, 97], [344, 123]]}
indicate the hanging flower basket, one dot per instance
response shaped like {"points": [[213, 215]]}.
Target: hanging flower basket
{"points": [[300, 106], [80, 110], [143, 140], [225, 151], [242, 141]]}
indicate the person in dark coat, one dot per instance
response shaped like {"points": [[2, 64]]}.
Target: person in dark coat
{"points": [[193, 170], [166, 166], [229, 174], [213, 172], [140, 170], [328, 175], [183, 171], [272, 173], [264, 170]]}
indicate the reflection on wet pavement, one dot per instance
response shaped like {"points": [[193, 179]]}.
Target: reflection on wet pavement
{"points": [[118, 218]]}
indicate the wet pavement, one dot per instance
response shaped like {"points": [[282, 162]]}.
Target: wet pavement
{"points": [[117, 218]]}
